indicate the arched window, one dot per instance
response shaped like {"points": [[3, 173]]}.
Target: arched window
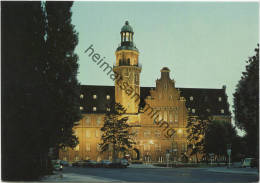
{"points": [[127, 36]]}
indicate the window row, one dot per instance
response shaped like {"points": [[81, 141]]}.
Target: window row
{"points": [[171, 116], [88, 133], [88, 147], [174, 148], [222, 111], [95, 96], [87, 120], [157, 133], [93, 108], [206, 98]]}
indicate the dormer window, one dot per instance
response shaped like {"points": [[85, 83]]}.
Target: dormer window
{"points": [[94, 96], [81, 96], [108, 97], [94, 109], [191, 98], [219, 99]]}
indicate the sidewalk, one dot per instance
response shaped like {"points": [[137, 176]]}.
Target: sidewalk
{"points": [[234, 170], [71, 177]]}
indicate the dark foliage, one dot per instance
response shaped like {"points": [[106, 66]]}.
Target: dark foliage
{"points": [[218, 135], [116, 131], [196, 129], [246, 104], [31, 123]]}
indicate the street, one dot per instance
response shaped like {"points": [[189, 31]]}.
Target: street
{"points": [[198, 175]]}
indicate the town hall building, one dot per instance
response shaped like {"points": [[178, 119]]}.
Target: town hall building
{"points": [[167, 102]]}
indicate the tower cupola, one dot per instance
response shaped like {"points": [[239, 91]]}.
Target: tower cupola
{"points": [[127, 38]]}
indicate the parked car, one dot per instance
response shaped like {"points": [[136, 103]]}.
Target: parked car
{"points": [[64, 163], [57, 165], [78, 163], [105, 163], [247, 162], [90, 163], [119, 163], [254, 163]]}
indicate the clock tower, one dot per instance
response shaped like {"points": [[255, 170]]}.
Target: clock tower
{"points": [[128, 68]]}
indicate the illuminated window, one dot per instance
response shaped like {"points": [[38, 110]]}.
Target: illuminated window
{"points": [[94, 96], [160, 116], [94, 109], [81, 108], [191, 98], [87, 120], [97, 133], [157, 147], [188, 109], [176, 117], [88, 147], [157, 133], [127, 36], [165, 116], [108, 109], [81, 96], [87, 133], [170, 116], [175, 147], [99, 118], [108, 97], [208, 110], [193, 111], [147, 147], [87, 158], [222, 111], [147, 133], [219, 99]]}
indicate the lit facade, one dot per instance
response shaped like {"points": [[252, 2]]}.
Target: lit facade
{"points": [[144, 106]]}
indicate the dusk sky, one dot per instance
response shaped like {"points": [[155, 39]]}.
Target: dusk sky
{"points": [[204, 44]]}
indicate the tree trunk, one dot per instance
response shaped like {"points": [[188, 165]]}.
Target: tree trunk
{"points": [[114, 155], [196, 157]]}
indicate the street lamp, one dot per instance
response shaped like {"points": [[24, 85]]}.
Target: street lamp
{"points": [[229, 154], [179, 130]]}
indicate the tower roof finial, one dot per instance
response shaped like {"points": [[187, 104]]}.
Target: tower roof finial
{"points": [[127, 27]]}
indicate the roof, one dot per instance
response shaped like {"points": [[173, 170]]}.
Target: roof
{"points": [[198, 100], [127, 27]]}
